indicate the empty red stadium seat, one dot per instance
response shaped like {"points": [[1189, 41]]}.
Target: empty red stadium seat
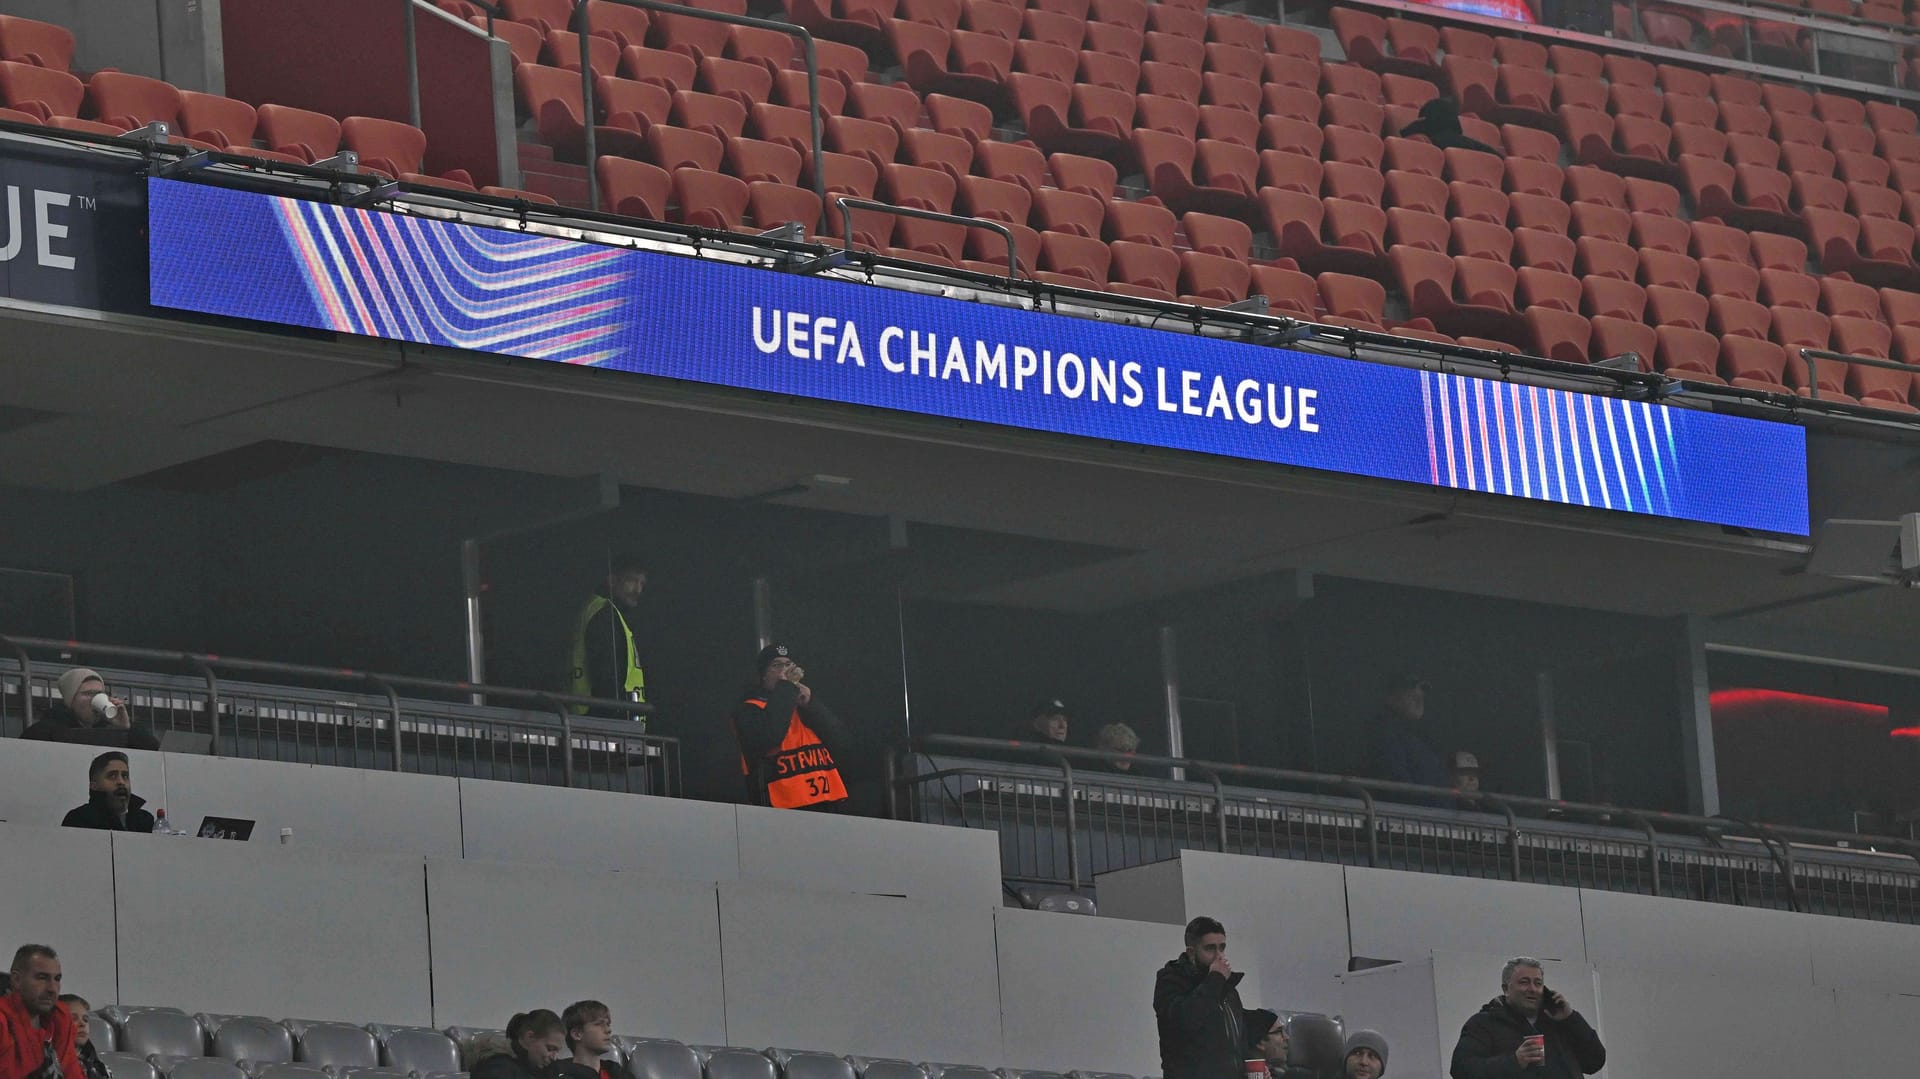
{"points": [[516, 193], [1668, 269], [870, 139], [1460, 295], [1558, 335], [1482, 240], [949, 153], [1547, 250], [310, 136], [1418, 228], [756, 161], [1525, 177], [1352, 298], [1538, 212], [1688, 353], [1730, 316], [219, 121], [1604, 258], [742, 81], [1113, 72], [670, 71], [1080, 119], [1600, 222], [562, 49], [623, 25], [633, 188], [698, 37], [771, 205], [1668, 306], [41, 44], [1140, 223], [1659, 233], [1783, 288], [1288, 292], [385, 145], [1613, 297], [1210, 279], [1620, 337], [1753, 364], [1290, 172], [1008, 21], [959, 62], [1535, 287], [1070, 212], [130, 101], [1215, 235], [543, 15], [1143, 270], [1299, 223], [523, 42], [1209, 176]]}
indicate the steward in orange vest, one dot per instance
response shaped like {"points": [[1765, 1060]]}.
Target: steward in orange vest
{"points": [[789, 742]]}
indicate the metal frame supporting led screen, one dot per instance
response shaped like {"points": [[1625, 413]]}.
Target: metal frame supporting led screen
{"points": [[328, 267]]}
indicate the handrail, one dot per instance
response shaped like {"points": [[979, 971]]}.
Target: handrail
{"points": [[1813, 374], [582, 24], [1365, 788], [848, 204], [206, 662]]}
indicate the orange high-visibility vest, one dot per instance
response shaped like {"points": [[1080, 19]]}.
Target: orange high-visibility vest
{"points": [[803, 772]]}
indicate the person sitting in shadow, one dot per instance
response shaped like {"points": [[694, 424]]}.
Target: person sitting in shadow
{"points": [[1440, 122]]}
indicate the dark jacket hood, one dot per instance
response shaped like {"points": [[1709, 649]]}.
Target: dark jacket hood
{"points": [[98, 800]]}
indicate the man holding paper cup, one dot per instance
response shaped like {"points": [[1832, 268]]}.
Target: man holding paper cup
{"points": [[1528, 1032]]}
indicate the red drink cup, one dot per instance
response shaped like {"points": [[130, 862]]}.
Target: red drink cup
{"points": [[1538, 1040], [1256, 1069]]}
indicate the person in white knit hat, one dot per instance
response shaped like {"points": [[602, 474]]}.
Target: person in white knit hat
{"points": [[86, 714]]}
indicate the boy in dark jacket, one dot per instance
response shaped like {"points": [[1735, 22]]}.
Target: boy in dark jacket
{"points": [[589, 1026], [90, 1061], [1203, 1028], [1529, 1032]]}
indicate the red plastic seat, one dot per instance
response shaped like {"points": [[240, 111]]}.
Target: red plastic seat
{"points": [[1538, 212], [1573, 91], [949, 153], [385, 145], [1294, 71], [309, 136], [1210, 279], [1114, 40], [561, 49], [771, 205], [1797, 157], [763, 162], [41, 44], [633, 188], [738, 80], [1209, 176], [1686, 109], [1821, 192], [1365, 37], [1008, 21], [1588, 184], [1601, 222], [993, 200], [874, 140], [709, 199], [1668, 269], [1215, 235], [1232, 125], [1112, 72], [782, 124], [1140, 223], [1901, 308], [674, 148], [1350, 243], [1482, 240], [1067, 211], [1745, 149], [1620, 337], [1543, 249], [1081, 119], [1859, 167], [1558, 335], [219, 121], [1677, 307], [1049, 61], [631, 107], [1143, 270], [1688, 354], [548, 94], [1884, 117], [958, 62], [1848, 299], [1410, 191], [1013, 162], [130, 101], [1474, 167], [1170, 80], [1525, 52], [1875, 387], [1791, 128], [698, 37], [1284, 133], [724, 118], [1289, 293], [1230, 92], [917, 188], [1604, 258], [1086, 175], [542, 15], [624, 26], [1236, 62], [1730, 316], [523, 42], [1693, 140], [896, 106], [1626, 99], [670, 71], [1659, 233], [1418, 228], [1414, 156], [1352, 147], [516, 193], [1352, 298], [1290, 171], [1459, 295], [1784, 288], [1525, 177], [1772, 251], [1534, 287], [1349, 80], [1753, 364], [1355, 183], [1613, 297]]}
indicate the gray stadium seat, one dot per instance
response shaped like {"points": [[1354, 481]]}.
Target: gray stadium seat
{"points": [[475, 1043], [290, 1071], [733, 1063], [128, 1066], [1067, 903], [101, 1032], [886, 1068], [336, 1045], [445, 1075], [204, 1068], [957, 1071], [1025, 1073], [372, 1073], [256, 1041], [1315, 1042], [800, 1064], [1097, 1075], [660, 1058], [416, 1049], [150, 1032]]}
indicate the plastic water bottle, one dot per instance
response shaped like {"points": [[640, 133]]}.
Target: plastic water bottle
{"points": [[161, 827]]}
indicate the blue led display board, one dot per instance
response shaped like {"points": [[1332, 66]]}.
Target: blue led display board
{"points": [[328, 267]]}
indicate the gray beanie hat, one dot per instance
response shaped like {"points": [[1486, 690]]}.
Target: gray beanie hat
{"points": [[70, 682], [1368, 1039]]}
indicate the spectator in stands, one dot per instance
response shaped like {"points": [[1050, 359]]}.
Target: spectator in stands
{"points": [[1118, 738], [1440, 122], [90, 1061], [87, 714], [36, 1033], [589, 1026], [1466, 772], [537, 1039], [790, 743], [1366, 1055], [1401, 750], [1049, 721], [1269, 1035], [1529, 1029], [606, 663], [111, 804], [1196, 1004]]}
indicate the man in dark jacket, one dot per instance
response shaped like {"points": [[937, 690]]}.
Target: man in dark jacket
{"points": [[1440, 122], [1203, 1028], [87, 715], [1528, 1032], [589, 1026], [790, 743], [111, 804], [1401, 750]]}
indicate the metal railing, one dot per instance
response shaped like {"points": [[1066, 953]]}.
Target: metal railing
{"points": [[1065, 815], [1813, 355], [847, 204], [582, 24], [291, 714]]}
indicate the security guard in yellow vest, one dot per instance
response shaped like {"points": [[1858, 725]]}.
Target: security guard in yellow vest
{"points": [[789, 741], [605, 662]]}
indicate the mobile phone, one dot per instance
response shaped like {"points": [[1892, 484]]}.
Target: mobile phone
{"points": [[1550, 1001]]}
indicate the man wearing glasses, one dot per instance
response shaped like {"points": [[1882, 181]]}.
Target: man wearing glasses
{"points": [[789, 741]]}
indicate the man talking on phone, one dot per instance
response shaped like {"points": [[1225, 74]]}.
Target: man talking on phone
{"points": [[1528, 1032]]}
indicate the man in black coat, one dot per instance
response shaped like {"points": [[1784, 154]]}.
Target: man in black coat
{"points": [[1203, 1028], [111, 804], [1528, 1032], [87, 715], [589, 1026]]}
